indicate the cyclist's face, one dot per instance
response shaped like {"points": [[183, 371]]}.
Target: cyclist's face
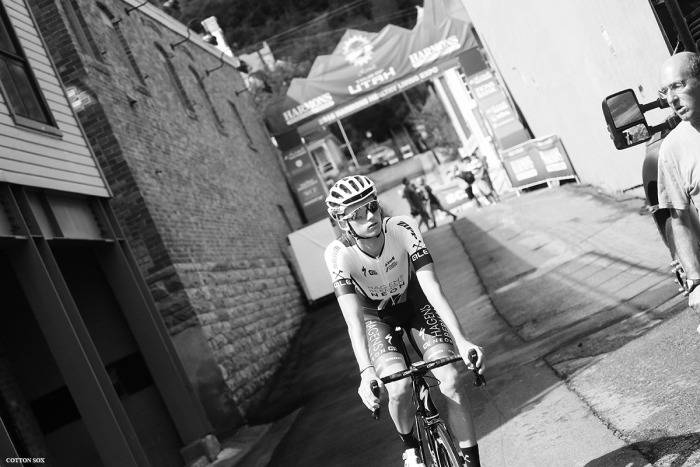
{"points": [[363, 220], [681, 89]]}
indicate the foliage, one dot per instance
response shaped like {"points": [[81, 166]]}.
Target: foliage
{"points": [[300, 30], [438, 127]]}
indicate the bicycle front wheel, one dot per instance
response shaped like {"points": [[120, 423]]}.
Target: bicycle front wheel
{"points": [[446, 452]]}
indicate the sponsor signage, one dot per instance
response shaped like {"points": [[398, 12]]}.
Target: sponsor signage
{"points": [[309, 108], [381, 94], [536, 161], [435, 52], [492, 100], [363, 64], [308, 186]]}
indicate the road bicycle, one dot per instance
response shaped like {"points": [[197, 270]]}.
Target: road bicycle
{"points": [[432, 433]]}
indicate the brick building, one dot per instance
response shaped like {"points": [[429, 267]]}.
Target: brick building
{"points": [[138, 325], [198, 188], [88, 372]]}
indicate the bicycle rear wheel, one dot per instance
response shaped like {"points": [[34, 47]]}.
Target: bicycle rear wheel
{"points": [[447, 453]]}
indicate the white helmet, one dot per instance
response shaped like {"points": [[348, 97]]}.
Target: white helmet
{"points": [[347, 191]]}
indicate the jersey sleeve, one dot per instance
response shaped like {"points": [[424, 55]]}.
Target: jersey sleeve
{"points": [[671, 189], [339, 270], [409, 235]]}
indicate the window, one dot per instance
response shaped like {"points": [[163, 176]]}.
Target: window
{"points": [[175, 81], [205, 94], [118, 43], [23, 96], [241, 124], [76, 22]]}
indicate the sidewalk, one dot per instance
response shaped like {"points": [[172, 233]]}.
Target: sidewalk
{"points": [[563, 284]]}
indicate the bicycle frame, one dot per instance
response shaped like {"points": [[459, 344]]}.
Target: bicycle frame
{"points": [[427, 414]]}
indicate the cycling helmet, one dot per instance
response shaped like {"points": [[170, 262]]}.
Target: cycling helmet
{"points": [[347, 191]]}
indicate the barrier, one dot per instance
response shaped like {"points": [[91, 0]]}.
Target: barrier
{"points": [[537, 161]]}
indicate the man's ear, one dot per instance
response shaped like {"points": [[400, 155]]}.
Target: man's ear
{"points": [[343, 225]]}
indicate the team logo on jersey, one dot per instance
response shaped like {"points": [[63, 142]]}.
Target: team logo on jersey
{"points": [[391, 264], [409, 228], [371, 272], [388, 338], [338, 274], [418, 246], [342, 282], [419, 254], [386, 290]]}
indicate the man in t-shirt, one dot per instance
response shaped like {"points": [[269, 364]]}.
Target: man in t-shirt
{"points": [[679, 163]]}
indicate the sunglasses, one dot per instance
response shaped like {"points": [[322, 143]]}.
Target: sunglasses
{"points": [[361, 213]]}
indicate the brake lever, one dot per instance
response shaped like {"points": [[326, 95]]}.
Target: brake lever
{"points": [[479, 379], [375, 390]]}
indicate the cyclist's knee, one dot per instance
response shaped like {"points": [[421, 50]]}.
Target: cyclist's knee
{"points": [[450, 381], [399, 391]]}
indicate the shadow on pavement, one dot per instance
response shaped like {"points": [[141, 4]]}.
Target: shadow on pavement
{"points": [[670, 451]]}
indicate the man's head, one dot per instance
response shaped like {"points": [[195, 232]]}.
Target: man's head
{"points": [[680, 85], [406, 181]]}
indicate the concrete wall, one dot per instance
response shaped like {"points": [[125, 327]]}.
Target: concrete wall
{"points": [[560, 58], [198, 190]]}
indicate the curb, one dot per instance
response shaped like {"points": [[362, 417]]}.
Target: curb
{"points": [[253, 446]]}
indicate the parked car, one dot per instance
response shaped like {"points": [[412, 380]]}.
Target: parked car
{"points": [[382, 156], [406, 151]]}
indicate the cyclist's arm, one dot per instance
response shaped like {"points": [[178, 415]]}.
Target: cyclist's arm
{"points": [[432, 289], [352, 312]]}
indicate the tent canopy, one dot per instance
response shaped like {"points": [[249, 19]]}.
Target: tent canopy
{"points": [[366, 67]]}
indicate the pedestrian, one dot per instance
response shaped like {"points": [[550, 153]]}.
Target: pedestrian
{"points": [[467, 182], [679, 163], [383, 277], [482, 180], [416, 203], [433, 202]]}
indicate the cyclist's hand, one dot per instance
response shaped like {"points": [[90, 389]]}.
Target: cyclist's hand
{"points": [[464, 349], [694, 299], [365, 390]]}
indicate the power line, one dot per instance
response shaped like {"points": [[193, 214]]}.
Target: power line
{"points": [[395, 15], [312, 22]]}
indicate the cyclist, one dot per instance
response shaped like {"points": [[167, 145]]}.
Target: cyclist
{"points": [[384, 277]]}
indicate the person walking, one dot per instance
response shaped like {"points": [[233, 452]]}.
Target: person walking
{"points": [[433, 202], [416, 203], [466, 179], [481, 180]]}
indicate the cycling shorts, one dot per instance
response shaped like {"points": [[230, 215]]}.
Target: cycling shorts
{"points": [[427, 333]]}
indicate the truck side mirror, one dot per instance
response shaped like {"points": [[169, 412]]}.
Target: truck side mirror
{"points": [[625, 119]]}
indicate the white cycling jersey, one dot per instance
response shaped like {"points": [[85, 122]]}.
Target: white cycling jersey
{"points": [[380, 282]]}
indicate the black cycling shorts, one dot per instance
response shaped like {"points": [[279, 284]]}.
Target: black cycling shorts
{"points": [[424, 328]]}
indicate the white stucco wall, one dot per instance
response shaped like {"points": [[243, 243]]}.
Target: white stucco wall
{"points": [[558, 65]]}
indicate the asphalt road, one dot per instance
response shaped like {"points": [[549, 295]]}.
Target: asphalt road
{"points": [[591, 354]]}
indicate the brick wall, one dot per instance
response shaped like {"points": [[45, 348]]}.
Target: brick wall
{"points": [[199, 203]]}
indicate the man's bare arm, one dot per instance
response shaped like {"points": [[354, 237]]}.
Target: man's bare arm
{"points": [[686, 249]]}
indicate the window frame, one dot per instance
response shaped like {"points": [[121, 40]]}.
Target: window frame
{"points": [[20, 57]]}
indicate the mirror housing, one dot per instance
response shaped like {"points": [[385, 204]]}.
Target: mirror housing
{"points": [[625, 118]]}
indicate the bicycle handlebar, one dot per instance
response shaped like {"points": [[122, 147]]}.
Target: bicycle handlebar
{"points": [[420, 368]]}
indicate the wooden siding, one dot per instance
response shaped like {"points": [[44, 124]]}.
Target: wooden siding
{"points": [[34, 158]]}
